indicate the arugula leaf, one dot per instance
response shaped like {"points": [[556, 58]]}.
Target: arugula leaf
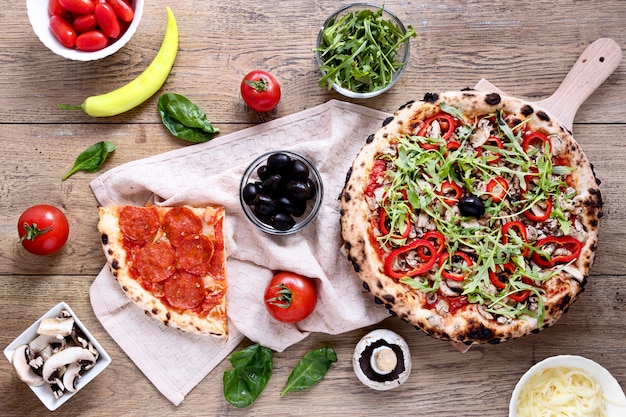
{"points": [[91, 159], [310, 370], [252, 370], [184, 119]]}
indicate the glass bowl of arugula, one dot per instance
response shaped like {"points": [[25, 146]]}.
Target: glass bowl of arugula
{"points": [[362, 50]]}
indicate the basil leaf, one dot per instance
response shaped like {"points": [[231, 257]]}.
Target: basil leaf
{"points": [[310, 370], [184, 119], [252, 370], [92, 158]]}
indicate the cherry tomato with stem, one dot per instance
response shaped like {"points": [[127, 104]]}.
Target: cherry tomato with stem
{"points": [[107, 20], [43, 229], [260, 91], [78, 6], [63, 31], [90, 41], [290, 297]]}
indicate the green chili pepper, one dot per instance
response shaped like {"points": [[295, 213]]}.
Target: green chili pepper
{"points": [[141, 88]]}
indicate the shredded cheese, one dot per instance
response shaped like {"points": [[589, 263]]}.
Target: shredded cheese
{"points": [[561, 391]]}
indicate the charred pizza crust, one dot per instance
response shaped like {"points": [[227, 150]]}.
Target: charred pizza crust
{"points": [[471, 324], [121, 258]]}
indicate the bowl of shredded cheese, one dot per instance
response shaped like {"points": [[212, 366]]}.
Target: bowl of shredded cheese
{"points": [[567, 385]]}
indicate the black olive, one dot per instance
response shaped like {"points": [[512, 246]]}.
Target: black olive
{"points": [[293, 206], [263, 172], [250, 191], [299, 170], [282, 221], [264, 204], [273, 183], [299, 189], [471, 206], [278, 162], [312, 188]]}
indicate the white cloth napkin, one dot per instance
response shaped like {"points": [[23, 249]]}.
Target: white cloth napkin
{"points": [[330, 135]]}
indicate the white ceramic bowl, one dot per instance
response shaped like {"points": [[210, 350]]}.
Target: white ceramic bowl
{"points": [[610, 386], [44, 392], [402, 55], [39, 20]]}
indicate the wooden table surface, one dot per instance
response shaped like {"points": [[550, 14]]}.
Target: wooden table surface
{"points": [[525, 48]]}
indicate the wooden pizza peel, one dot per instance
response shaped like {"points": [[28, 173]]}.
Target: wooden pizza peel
{"points": [[592, 68]]}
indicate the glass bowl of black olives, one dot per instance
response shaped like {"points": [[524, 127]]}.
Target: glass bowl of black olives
{"points": [[281, 192]]}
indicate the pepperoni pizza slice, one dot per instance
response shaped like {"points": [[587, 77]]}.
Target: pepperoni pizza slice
{"points": [[170, 261]]}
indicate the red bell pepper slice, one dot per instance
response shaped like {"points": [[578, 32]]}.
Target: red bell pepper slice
{"points": [[501, 270], [382, 225], [450, 191], [439, 244], [569, 243], [417, 245], [535, 139], [493, 157], [541, 217], [457, 257], [498, 188], [520, 230], [446, 123]]}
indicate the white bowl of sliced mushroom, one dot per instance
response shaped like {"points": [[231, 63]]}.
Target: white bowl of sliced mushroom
{"points": [[56, 356]]}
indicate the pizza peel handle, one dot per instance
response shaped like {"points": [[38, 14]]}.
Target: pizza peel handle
{"points": [[593, 66]]}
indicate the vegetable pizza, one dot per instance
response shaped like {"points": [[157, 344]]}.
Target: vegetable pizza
{"points": [[473, 216]]}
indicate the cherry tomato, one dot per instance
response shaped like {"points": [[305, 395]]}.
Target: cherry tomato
{"points": [[85, 23], [78, 6], [63, 31], [94, 40], [290, 297], [123, 10], [55, 8], [43, 229], [107, 20], [260, 91]]}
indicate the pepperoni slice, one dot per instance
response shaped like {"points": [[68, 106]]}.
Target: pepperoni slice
{"points": [[139, 223], [155, 262], [179, 223], [184, 290], [195, 253]]}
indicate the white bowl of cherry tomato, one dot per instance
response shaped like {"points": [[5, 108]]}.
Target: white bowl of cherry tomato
{"points": [[281, 192], [84, 30]]}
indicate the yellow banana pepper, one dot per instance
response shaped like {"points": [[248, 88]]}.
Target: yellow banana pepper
{"points": [[141, 88]]}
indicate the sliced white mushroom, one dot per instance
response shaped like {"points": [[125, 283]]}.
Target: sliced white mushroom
{"points": [[71, 376], [24, 371], [56, 326], [74, 354], [382, 360]]}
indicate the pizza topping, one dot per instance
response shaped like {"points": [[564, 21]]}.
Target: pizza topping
{"points": [[413, 259], [195, 253], [180, 222], [156, 261], [553, 250], [140, 224], [184, 290]]}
